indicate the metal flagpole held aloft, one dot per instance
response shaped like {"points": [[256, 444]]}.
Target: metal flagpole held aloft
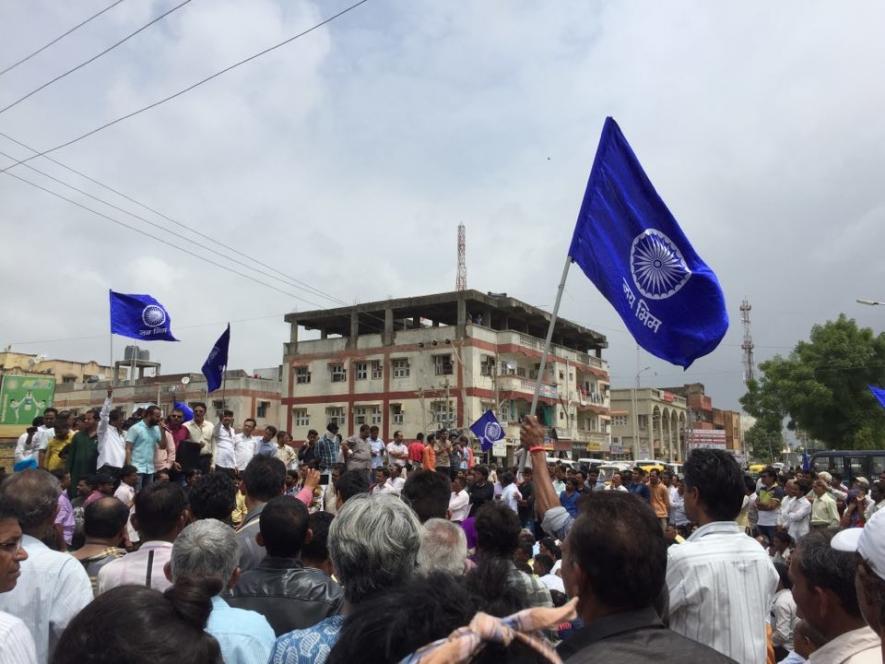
{"points": [[543, 366]]}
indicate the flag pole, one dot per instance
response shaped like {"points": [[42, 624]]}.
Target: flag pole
{"points": [[543, 366]]}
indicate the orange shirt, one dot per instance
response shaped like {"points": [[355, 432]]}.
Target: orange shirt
{"points": [[660, 501], [429, 461]]}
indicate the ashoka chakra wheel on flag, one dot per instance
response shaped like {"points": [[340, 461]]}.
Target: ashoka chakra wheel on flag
{"points": [[657, 265]]}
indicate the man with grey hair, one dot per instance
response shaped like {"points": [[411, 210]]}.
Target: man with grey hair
{"points": [[443, 548], [53, 586], [207, 549], [373, 544]]}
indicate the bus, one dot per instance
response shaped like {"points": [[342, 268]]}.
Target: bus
{"points": [[850, 463]]}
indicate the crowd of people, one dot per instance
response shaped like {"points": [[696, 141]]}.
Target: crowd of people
{"points": [[143, 539]]}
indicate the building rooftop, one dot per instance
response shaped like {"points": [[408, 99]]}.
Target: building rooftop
{"points": [[495, 311]]}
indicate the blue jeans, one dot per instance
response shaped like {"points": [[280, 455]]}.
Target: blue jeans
{"points": [[144, 480]]}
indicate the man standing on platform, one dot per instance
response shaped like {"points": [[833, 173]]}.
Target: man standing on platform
{"points": [[200, 436]]}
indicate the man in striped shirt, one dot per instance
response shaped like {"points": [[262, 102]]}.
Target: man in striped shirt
{"points": [[721, 582]]}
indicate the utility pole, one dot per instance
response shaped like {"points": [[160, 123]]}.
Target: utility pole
{"points": [[461, 277], [747, 344]]}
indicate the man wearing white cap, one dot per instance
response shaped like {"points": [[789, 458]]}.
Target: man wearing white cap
{"points": [[869, 579]]}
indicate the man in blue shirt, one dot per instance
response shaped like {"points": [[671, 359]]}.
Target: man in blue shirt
{"points": [[142, 440], [635, 485]]}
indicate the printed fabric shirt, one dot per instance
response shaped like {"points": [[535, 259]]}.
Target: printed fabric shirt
{"points": [[327, 449], [308, 646]]}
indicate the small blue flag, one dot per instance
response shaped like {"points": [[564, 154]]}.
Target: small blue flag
{"points": [[631, 247], [185, 410], [140, 317], [215, 364], [806, 462], [879, 393], [487, 430]]}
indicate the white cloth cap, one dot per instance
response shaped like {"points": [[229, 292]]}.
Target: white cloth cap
{"points": [[868, 541]]}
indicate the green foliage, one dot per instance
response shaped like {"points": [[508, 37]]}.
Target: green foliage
{"points": [[764, 443], [822, 387]]}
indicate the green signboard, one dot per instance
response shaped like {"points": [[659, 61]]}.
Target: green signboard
{"points": [[22, 398]]}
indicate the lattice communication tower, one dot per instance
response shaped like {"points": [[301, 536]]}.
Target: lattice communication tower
{"points": [[461, 278]]}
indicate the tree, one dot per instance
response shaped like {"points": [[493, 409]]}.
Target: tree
{"points": [[763, 441], [822, 387]]}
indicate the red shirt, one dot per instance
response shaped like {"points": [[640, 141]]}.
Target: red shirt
{"points": [[416, 451]]}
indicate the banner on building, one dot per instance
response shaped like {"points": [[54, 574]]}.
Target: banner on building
{"points": [[706, 439], [22, 398]]}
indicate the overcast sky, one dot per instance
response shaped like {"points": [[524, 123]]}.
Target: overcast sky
{"points": [[347, 158]]}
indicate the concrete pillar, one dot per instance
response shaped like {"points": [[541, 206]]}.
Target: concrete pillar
{"points": [[293, 332], [461, 329], [387, 337], [324, 334], [354, 329]]}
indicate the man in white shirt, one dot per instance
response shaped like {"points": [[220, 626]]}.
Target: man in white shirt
{"points": [[27, 447], [224, 445], [459, 503], [46, 431], [16, 643], [111, 438], [397, 450], [510, 494], [246, 444], [160, 514], [53, 586], [200, 434], [826, 596], [721, 582], [396, 481], [377, 448]]}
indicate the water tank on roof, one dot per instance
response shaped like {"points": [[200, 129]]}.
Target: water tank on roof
{"points": [[130, 353], [144, 355]]}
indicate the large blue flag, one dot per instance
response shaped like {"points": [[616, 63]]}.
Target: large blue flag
{"points": [[879, 393], [140, 317], [215, 364], [630, 246], [487, 430]]}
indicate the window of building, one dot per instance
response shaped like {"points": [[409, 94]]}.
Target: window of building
{"points": [[261, 408], [561, 415], [486, 365], [562, 375], [400, 367], [338, 373], [619, 420], [302, 375], [377, 370], [442, 413], [335, 414], [366, 415], [300, 417], [442, 365], [68, 379], [217, 406], [643, 421], [396, 413], [362, 370]]}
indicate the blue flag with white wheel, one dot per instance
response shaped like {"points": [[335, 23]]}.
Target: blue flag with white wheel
{"points": [[631, 247], [140, 317], [488, 430]]}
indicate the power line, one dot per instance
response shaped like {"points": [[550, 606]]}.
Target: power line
{"points": [[148, 221], [158, 239], [188, 88], [135, 201], [94, 57], [59, 38]]}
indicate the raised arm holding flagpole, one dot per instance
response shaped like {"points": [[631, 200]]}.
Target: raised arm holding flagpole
{"points": [[631, 247]]}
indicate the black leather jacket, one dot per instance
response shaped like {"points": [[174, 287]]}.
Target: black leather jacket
{"points": [[290, 595]]}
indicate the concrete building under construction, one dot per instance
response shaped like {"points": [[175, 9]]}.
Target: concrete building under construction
{"points": [[422, 363]]}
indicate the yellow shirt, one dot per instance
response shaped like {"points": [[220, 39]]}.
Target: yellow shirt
{"points": [[240, 510], [54, 449]]}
